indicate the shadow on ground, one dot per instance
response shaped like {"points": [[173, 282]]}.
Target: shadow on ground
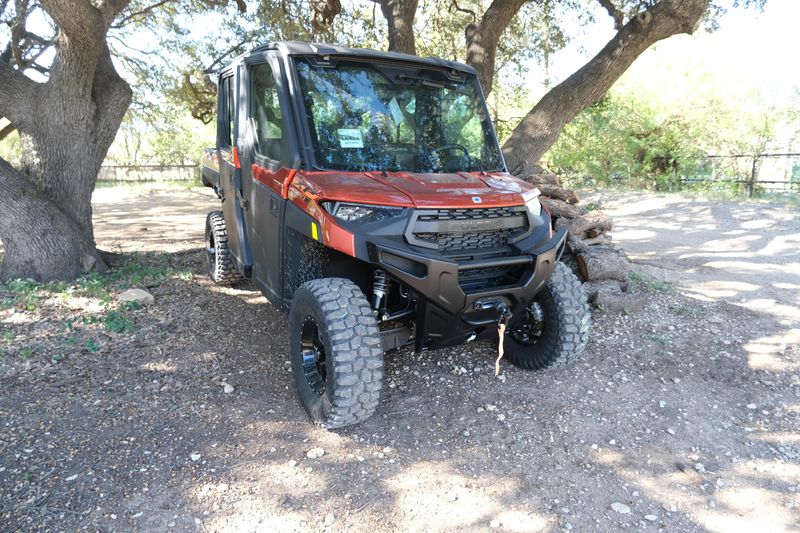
{"points": [[666, 414]]}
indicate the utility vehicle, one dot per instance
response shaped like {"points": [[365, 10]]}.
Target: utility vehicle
{"points": [[365, 194]]}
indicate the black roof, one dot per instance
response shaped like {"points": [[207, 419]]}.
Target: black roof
{"points": [[289, 48]]}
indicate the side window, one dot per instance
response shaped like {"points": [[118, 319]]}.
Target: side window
{"points": [[266, 112], [226, 112]]}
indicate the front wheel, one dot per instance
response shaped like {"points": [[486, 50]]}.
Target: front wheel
{"points": [[336, 352], [554, 328]]}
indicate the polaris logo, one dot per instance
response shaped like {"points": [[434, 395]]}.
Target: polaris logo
{"points": [[476, 200]]}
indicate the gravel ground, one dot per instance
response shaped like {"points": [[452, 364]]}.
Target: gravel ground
{"points": [[183, 416]]}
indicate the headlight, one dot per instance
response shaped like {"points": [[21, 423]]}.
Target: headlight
{"points": [[361, 213], [534, 206]]}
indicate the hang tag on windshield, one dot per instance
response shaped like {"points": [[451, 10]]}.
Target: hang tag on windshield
{"points": [[350, 138], [397, 113]]}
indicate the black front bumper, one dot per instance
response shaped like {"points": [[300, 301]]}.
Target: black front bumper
{"points": [[447, 314]]}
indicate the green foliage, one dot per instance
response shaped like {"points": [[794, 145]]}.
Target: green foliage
{"points": [[622, 137], [117, 322], [24, 293], [651, 131], [11, 149], [92, 346], [144, 269]]}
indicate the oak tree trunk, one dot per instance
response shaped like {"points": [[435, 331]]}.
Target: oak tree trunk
{"points": [[41, 241], [68, 124], [543, 124], [399, 15]]}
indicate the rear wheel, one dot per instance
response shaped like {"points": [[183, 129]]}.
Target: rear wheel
{"points": [[554, 328], [221, 266], [335, 351]]}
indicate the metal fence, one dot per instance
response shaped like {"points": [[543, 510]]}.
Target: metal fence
{"points": [[769, 172], [149, 173]]}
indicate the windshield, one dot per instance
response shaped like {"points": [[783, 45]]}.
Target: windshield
{"points": [[377, 117]]}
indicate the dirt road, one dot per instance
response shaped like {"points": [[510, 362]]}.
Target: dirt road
{"points": [[683, 417]]}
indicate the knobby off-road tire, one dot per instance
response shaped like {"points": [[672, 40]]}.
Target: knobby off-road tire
{"points": [[336, 352], [562, 332], [221, 266]]}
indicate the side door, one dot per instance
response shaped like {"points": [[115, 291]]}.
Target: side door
{"points": [[230, 175], [266, 164]]}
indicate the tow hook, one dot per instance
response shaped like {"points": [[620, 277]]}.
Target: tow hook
{"points": [[502, 322]]}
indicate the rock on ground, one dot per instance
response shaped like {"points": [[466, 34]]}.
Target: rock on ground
{"points": [[139, 296]]}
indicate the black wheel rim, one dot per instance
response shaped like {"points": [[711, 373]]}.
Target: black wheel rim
{"points": [[313, 352], [211, 253], [530, 327]]}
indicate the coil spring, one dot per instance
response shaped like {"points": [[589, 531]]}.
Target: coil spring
{"points": [[380, 287]]}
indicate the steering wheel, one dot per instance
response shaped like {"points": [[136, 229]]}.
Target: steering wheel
{"points": [[444, 147]]}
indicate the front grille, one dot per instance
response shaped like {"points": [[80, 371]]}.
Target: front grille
{"points": [[467, 241], [469, 229]]}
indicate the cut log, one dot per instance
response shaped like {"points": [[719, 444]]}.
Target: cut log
{"points": [[599, 262], [542, 177], [592, 288], [552, 191], [575, 245], [604, 240], [618, 301], [586, 226], [560, 208]]}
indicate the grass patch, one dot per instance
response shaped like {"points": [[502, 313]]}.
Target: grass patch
{"points": [[92, 346], [86, 307], [76, 318], [650, 284], [117, 322], [25, 294]]}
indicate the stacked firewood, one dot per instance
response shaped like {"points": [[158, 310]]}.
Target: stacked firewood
{"points": [[602, 267]]}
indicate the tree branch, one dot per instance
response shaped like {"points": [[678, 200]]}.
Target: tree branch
{"points": [[616, 14], [112, 95], [109, 9], [232, 50], [482, 39], [17, 93], [130, 16], [460, 9], [78, 20]]}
